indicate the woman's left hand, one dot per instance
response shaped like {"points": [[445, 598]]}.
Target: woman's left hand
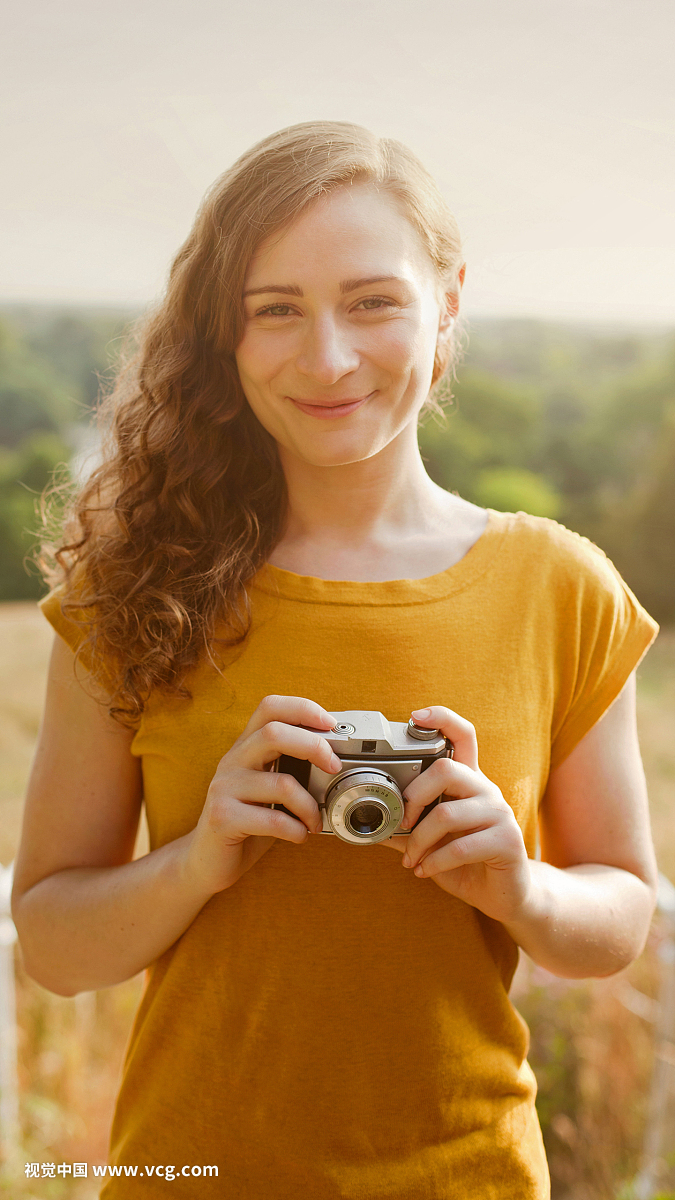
{"points": [[470, 844]]}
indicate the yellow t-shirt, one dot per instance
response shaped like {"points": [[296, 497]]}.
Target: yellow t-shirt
{"points": [[332, 1026]]}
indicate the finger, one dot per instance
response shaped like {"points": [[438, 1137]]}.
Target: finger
{"points": [[265, 787], [395, 843], [233, 820], [484, 846], [276, 738], [451, 819], [292, 710], [457, 729], [445, 777]]}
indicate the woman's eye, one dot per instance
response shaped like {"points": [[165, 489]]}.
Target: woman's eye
{"points": [[369, 304], [274, 310], [374, 303]]}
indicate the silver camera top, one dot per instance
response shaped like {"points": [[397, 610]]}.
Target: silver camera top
{"points": [[360, 733]]}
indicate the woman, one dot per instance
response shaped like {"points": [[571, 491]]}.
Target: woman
{"points": [[262, 548]]}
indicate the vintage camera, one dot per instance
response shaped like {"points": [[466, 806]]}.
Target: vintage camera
{"points": [[363, 804]]}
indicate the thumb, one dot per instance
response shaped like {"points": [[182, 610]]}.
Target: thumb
{"points": [[396, 843]]}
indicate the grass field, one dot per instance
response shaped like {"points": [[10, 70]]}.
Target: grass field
{"points": [[592, 1056]]}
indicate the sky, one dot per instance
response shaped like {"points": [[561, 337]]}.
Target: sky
{"points": [[550, 128]]}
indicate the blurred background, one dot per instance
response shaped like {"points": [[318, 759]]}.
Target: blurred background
{"points": [[550, 129]]}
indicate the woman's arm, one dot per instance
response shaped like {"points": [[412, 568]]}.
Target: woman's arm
{"points": [[595, 890], [89, 917], [586, 909]]}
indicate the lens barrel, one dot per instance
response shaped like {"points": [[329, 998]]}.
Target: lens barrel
{"points": [[364, 805]]}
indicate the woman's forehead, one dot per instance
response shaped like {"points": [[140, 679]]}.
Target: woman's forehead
{"points": [[352, 232]]}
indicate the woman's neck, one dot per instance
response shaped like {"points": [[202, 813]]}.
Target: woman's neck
{"points": [[382, 518]]}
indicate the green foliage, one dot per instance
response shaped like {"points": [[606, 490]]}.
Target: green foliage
{"points": [[79, 347], [51, 367], [31, 396], [631, 510], [486, 444], [24, 472], [513, 489], [647, 555], [490, 424]]}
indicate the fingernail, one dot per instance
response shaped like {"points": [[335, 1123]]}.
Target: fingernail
{"points": [[336, 763], [406, 860], [405, 823], [419, 869], [422, 712]]}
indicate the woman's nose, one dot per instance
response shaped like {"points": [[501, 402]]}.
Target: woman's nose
{"points": [[327, 352]]}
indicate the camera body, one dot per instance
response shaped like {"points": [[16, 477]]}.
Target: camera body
{"points": [[363, 804]]}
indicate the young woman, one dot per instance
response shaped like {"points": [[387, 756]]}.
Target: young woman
{"points": [[261, 548]]}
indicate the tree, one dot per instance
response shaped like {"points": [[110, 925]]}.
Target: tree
{"points": [[31, 397], [24, 473], [485, 444]]}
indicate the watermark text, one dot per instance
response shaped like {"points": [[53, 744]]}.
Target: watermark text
{"points": [[160, 1171]]}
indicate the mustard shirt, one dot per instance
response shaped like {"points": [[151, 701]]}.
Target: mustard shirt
{"points": [[331, 1025]]}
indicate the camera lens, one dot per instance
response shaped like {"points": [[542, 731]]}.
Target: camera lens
{"points": [[366, 818], [364, 805]]}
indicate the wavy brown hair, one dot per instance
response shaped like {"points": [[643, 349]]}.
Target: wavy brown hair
{"points": [[158, 544]]}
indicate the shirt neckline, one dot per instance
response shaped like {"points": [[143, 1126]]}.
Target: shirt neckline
{"points": [[309, 589]]}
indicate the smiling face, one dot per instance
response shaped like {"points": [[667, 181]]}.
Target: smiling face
{"points": [[343, 312]]}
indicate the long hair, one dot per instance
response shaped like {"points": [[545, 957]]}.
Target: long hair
{"points": [[189, 499]]}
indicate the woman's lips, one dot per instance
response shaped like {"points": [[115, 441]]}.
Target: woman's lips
{"points": [[329, 412]]}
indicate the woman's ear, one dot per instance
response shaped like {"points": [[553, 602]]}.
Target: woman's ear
{"points": [[450, 306], [449, 311]]}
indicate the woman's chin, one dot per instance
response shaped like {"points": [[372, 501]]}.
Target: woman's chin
{"points": [[344, 455]]}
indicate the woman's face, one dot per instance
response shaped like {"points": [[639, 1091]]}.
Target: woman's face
{"points": [[342, 316]]}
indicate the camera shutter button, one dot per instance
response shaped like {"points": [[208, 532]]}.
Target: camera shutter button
{"points": [[343, 727], [421, 733]]}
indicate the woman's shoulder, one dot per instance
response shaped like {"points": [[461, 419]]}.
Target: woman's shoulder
{"points": [[568, 590], [60, 607], [568, 577], [68, 605], [73, 615], [542, 546]]}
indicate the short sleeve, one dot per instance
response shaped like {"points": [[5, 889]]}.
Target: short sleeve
{"points": [[50, 606], [73, 627], [604, 633]]}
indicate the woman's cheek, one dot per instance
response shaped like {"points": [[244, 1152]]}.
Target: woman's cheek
{"points": [[259, 359], [403, 350]]}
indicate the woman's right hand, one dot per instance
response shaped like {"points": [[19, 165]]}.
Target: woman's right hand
{"points": [[235, 829]]}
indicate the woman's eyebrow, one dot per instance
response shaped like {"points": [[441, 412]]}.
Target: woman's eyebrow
{"points": [[290, 289], [350, 285], [347, 285]]}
